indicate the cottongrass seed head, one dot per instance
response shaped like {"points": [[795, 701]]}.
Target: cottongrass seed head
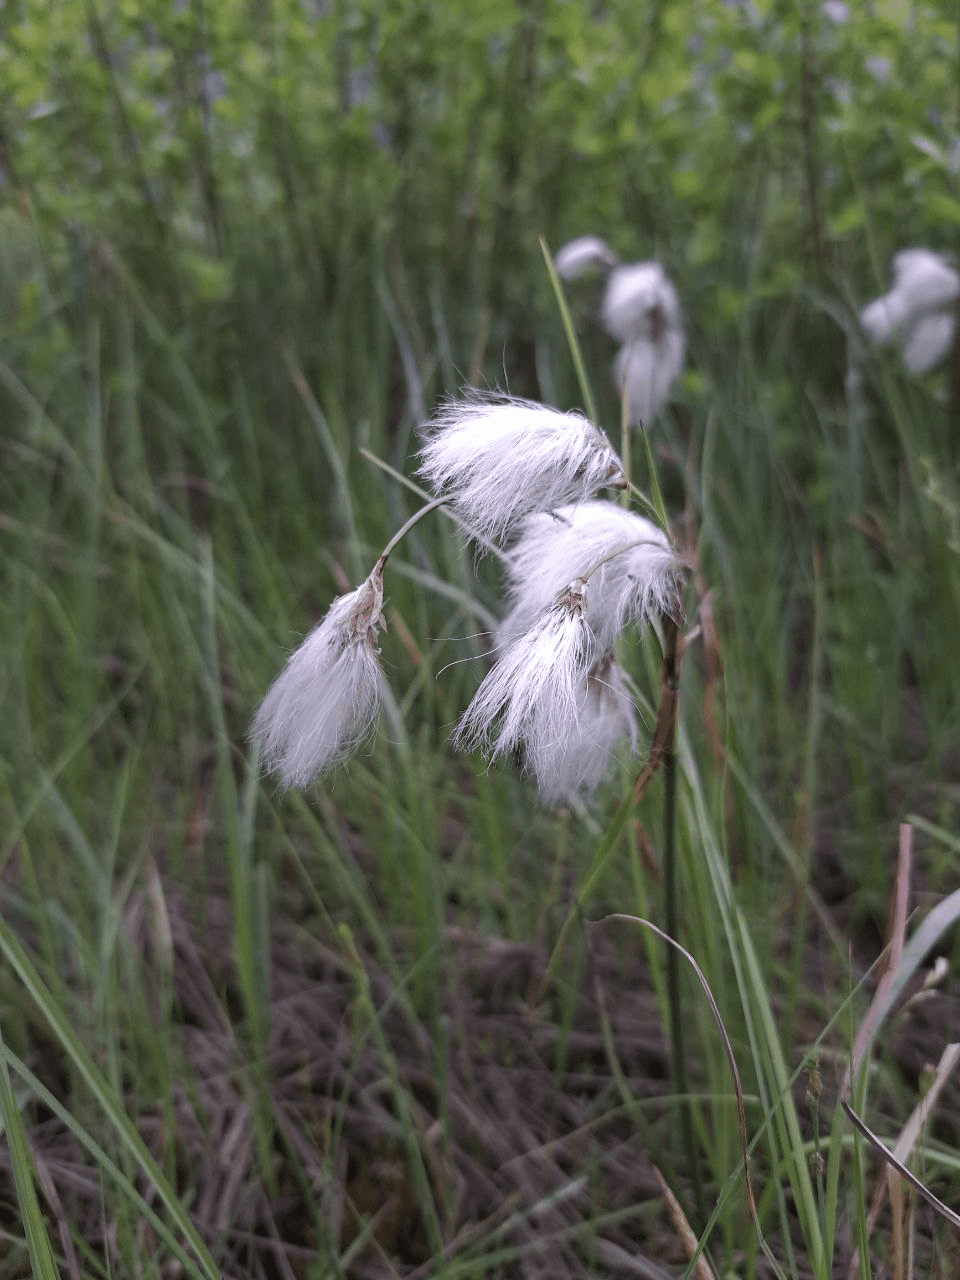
{"points": [[325, 701], [497, 459], [553, 548], [586, 253], [918, 310], [642, 311], [573, 763], [534, 689]]}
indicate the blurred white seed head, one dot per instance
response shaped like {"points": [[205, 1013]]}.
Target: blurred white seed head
{"points": [[326, 699], [918, 310], [554, 548], [586, 253], [574, 762], [640, 302], [497, 459], [532, 693], [645, 371], [641, 309]]}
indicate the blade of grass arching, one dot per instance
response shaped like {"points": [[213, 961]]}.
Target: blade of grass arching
{"points": [[338, 467], [572, 343], [112, 1170], [109, 1103], [428, 497], [731, 1063], [21, 1166], [892, 1158]]}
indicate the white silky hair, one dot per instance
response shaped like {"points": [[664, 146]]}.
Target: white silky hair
{"points": [[928, 342], [325, 701], [532, 693], [497, 459], [639, 300], [645, 371], [571, 764], [586, 253], [641, 310], [915, 311], [554, 548]]}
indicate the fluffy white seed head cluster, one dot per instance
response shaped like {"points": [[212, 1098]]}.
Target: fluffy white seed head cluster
{"points": [[573, 764], [575, 578], [325, 701], [497, 460], [918, 312], [579, 570], [641, 310], [534, 689], [635, 578]]}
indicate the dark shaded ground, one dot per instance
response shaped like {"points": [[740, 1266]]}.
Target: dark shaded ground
{"points": [[529, 1142]]}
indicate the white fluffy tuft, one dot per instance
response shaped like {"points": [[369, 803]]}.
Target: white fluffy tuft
{"points": [[640, 301], [928, 342], [645, 371], [554, 548], [586, 253], [918, 310], [572, 764], [325, 701], [641, 310], [498, 459], [532, 693]]}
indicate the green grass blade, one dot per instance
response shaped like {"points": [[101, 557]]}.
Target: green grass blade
{"points": [[106, 1098], [109, 1167], [574, 345], [38, 1241]]}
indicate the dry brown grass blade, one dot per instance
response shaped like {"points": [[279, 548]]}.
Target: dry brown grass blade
{"points": [[879, 1005], [910, 1133], [661, 743], [902, 1169], [685, 1232], [895, 973]]}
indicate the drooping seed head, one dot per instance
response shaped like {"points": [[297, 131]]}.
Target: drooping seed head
{"points": [[535, 686], [325, 701], [641, 579], [498, 459]]}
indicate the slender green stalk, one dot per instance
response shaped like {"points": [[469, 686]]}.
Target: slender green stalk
{"points": [[572, 343], [681, 1083], [110, 1104], [38, 1242]]}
